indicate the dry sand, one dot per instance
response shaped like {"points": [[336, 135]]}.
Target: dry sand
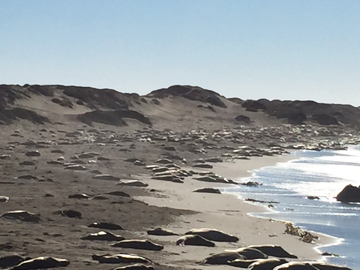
{"points": [[227, 213]]}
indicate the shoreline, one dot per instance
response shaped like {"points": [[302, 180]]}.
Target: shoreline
{"points": [[227, 213]]}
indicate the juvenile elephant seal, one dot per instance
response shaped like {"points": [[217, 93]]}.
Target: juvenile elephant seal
{"points": [[265, 264], [250, 253], [105, 226], [160, 231], [223, 258], [135, 267], [241, 263], [11, 260], [214, 235], [275, 251], [103, 236], [194, 240], [120, 258], [295, 266], [4, 199], [138, 244], [41, 263], [22, 215]]}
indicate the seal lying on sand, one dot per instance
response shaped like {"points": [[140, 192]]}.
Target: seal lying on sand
{"points": [[103, 236], [223, 258], [272, 250], [41, 263], [250, 253], [214, 235], [105, 226], [22, 215], [135, 267], [138, 244], [160, 231], [120, 258], [295, 266], [11, 260], [194, 240], [266, 264]]}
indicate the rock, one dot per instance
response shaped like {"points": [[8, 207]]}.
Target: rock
{"points": [[22, 215], [264, 264], [106, 177], [135, 267], [120, 258], [138, 244], [35, 153], [41, 263], [214, 235], [272, 250], [105, 226], [222, 258], [350, 193], [10, 260], [313, 197], [4, 199], [27, 163], [208, 190], [160, 231], [103, 236], [194, 240]]}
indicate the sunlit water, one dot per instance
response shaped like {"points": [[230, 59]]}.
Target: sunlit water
{"points": [[315, 173]]}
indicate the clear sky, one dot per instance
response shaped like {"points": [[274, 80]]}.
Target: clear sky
{"points": [[290, 49]]}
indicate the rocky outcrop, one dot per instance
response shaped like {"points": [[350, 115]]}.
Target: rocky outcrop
{"points": [[350, 193], [114, 118]]}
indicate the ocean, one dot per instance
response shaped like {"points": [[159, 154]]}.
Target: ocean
{"points": [[313, 173]]}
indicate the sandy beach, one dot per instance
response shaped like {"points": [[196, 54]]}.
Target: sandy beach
{"points": [[68, 167]]}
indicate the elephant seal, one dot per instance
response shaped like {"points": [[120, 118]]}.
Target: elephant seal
{"points": [[223, 258], [22, 215], [275, 251], [103, 236], [323, 266], [295, 266], [138, 244], [11, 260], [120, 258], [265, 264], [214, 235], [160, 231], [241, 263], [135, 267], [105, 226], [4, 199], [41, 263], [194, 240], [250, 253]]}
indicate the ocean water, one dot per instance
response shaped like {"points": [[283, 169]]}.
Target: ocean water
{"points": [[313, 173]]}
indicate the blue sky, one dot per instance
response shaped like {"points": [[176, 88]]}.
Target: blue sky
{"points": [[293, 49]]}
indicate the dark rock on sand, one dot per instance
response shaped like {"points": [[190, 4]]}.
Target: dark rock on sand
{"points": [[41, 263], [21, 215], [243, 118], [214, 235], [11, 260], [194, 240], [160, 231], [208, 190], [120, 258], [272, 250], [106, 226], [138, 244], [69, 213], [103, 236], [35, 153], [350, 193]]}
